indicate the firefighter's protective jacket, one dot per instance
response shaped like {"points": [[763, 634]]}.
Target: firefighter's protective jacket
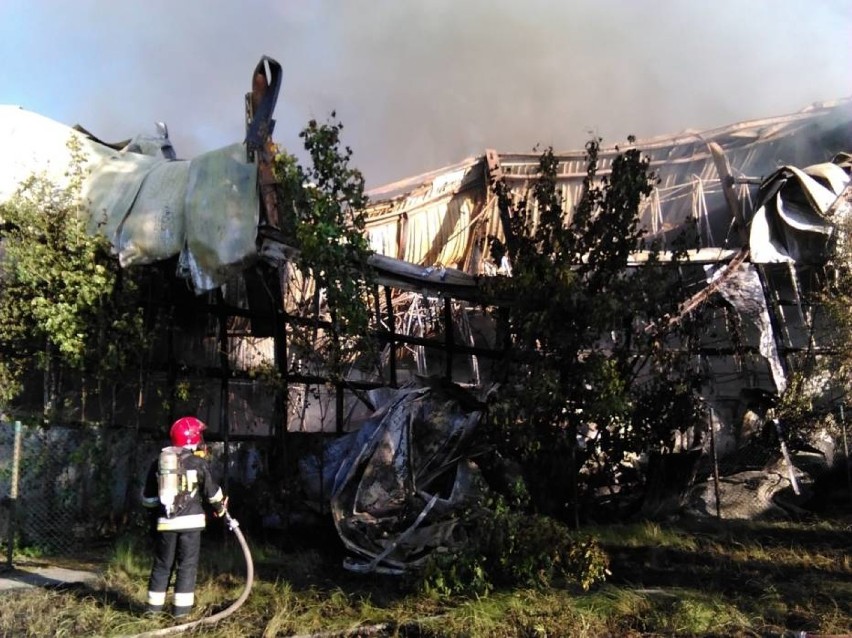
{"points": [[199, 484]]}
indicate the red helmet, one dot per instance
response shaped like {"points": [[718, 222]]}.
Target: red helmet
{"points": [[187, 431]]}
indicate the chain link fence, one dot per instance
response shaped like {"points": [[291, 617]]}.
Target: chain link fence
{"points": [[64, 487], [61, 487]]}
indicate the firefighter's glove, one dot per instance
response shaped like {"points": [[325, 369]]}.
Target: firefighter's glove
{"points": [[222, 509]]}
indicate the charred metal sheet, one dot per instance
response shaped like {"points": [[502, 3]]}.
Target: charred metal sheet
{"points": [[789, 222], [266, 84], [396, 486]]}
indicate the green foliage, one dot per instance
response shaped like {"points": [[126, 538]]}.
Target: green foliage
{"points": [[584, 357], [64, 299], [455, 574], [825, 372], [327, 222], [506, 548]]}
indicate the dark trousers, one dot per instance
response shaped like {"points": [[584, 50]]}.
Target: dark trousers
{"points": [[178, 551]]}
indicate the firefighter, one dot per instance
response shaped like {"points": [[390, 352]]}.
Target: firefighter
{"points": [[176, 484]]}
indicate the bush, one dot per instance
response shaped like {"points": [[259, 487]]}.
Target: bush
{"points": [[507, 548]]}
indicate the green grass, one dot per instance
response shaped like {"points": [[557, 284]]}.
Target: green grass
{"points": [[715, 579]]}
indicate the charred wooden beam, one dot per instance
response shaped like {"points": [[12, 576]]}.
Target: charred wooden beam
{"points": [[701, 297], [723, 168], [266, 83]]}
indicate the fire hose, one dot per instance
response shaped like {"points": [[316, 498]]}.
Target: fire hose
{"points": [[234, 526]]}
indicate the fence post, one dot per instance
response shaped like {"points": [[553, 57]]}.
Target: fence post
{"points": [[715, 464], [13, 495], [846, 450]]}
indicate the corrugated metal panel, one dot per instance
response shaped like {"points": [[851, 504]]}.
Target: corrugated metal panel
{"points": [[689, 185], [439, 233]]}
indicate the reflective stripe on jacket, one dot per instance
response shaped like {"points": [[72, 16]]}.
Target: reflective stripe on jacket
{"points": [[181, 523]]}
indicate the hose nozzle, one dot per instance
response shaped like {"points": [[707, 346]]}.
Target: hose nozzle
{"points": [[231, 522]]}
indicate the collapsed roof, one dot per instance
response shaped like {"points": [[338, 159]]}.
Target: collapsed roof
{"points": [[428, 231], [442, 218]]}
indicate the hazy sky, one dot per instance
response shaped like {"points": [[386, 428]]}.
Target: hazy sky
{"points": [[423, 83]]}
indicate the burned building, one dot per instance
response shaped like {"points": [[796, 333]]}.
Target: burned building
{"points": [[764, 197]]}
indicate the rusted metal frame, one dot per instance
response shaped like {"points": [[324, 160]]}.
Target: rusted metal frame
{"points": [[449, 343], [391, 336], [266, 82], [495, 178], [267, 182], [702, 296], [277, 287], [224, 386], [260, 105]]}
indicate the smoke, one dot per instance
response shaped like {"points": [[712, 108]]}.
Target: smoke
{"points": [[419, 85]]}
